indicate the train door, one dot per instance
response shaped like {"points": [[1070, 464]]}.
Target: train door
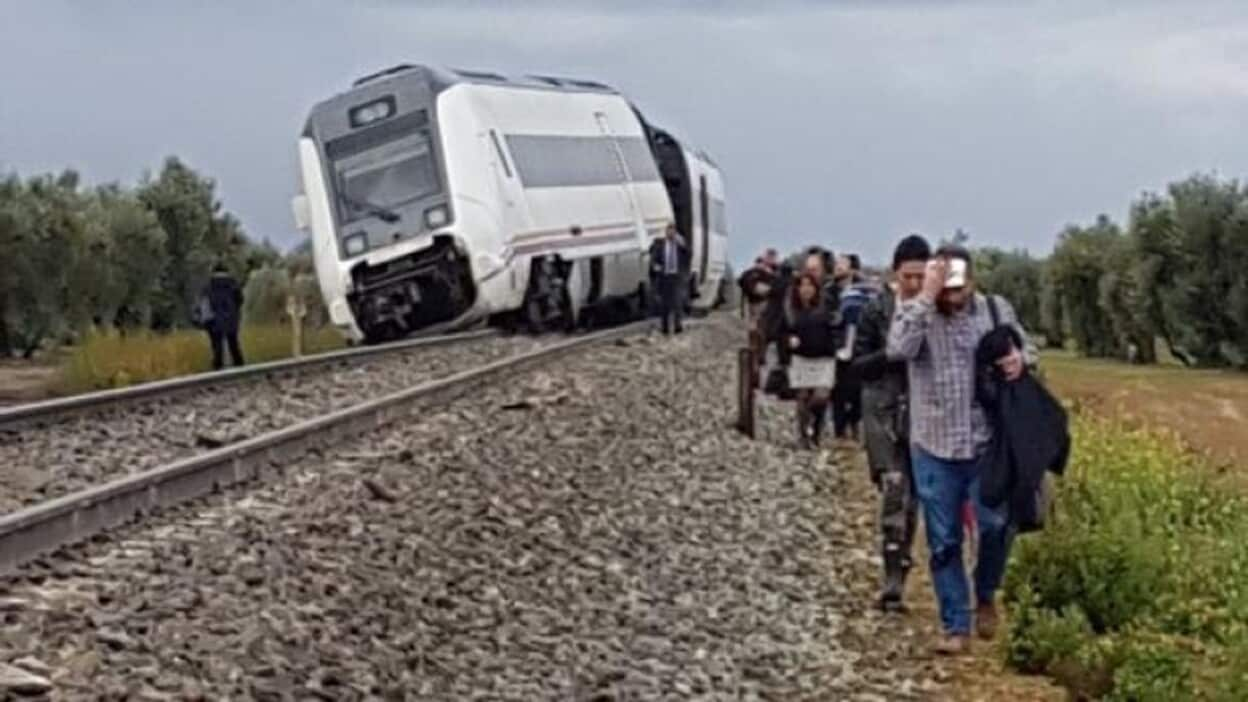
{"points": [[623, 267], [704, 209], [514, 216], [630, 197]]}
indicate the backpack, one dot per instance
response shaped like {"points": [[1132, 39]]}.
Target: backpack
{"points": [[853, 300]]}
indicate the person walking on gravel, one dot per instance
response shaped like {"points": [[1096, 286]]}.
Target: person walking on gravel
{"points": [[847, 398], [937, 333], [812, 337], [220, 312], [886, 416]]}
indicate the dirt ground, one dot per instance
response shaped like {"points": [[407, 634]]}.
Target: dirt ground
{"points": [[980, 677], [24, 381]]}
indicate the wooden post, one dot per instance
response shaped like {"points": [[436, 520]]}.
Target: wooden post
{"points": [[296, 310], [756, 358], [745, 391]]}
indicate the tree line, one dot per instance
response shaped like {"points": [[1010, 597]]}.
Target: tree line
{"points": [[1172, 280], [112, 256], [119, 257]]}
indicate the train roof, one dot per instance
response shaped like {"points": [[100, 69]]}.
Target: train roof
{"points": [[445, 77]]}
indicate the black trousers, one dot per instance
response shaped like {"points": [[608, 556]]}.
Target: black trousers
{"points": [[671, 301], [846, 401], [221, 336]]}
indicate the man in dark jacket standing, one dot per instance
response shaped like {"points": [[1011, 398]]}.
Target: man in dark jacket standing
{"points": [[886, 416], [224, 302], [669, 269]]}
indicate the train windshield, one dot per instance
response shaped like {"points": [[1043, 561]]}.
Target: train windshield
{"points": [[385, 177]]}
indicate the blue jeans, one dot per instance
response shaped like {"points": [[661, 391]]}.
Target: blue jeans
{"points": [[943, 486]]}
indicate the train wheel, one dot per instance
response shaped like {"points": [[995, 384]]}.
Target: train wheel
{"points": [[379, 334]]}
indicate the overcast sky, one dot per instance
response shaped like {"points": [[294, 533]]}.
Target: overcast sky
{"points": [[844, 123]]}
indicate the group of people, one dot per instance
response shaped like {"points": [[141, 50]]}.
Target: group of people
{"points": [[809, 306], [914, 353]]}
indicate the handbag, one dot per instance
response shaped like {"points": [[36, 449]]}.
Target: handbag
{"points": [[201, 313], [777, 383]]}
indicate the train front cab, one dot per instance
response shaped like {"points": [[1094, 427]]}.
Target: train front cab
{"points": [[398, 266]]}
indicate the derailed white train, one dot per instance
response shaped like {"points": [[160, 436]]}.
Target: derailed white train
{"points": [[436, 198]]}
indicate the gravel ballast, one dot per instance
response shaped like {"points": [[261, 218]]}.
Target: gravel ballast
{"points": [[593, 529], [73, 453]]}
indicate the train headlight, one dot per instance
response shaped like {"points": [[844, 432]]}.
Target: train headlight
{"points": [[437, 216], [374, 111], [355, 244]]}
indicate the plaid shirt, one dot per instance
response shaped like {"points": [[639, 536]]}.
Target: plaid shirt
{"points": [[946, 420]]}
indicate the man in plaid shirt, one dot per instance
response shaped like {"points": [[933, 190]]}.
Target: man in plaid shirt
{"points": [[937, 333]]}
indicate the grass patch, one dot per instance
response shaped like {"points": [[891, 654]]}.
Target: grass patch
{"points": [[1206, 407], [1138, 587], [111, 359]]}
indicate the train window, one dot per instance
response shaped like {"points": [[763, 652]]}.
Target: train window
{"points": [[565, 161], [639, 159], [498, 149], [385, 166], [719, 219]]}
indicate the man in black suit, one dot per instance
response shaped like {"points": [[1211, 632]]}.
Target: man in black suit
{"points": [[222, 305], [669, 271]]}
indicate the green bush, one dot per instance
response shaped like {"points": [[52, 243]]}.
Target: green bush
{"points": [[1152, 669], [1042, 639], [1232, 676], [1136, 590]]}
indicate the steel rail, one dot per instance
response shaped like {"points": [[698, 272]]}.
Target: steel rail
{"points": [[45, 527], [47, 410]]}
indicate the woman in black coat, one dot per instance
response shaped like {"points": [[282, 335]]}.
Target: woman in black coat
{"points": [[811, 335]]}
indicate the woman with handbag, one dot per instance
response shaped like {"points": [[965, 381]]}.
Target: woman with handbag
{"points": [[811, 336]]}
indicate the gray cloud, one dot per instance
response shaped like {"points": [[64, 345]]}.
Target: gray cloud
{"points": [[848, 123]]}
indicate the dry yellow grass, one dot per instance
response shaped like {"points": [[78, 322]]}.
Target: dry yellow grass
{"points": [[1206, 408], [109, 359]]}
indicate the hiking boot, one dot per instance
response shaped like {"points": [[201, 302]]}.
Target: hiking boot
{"points": [[890, 597], [986, 621], [952, 645], [894, 582]]}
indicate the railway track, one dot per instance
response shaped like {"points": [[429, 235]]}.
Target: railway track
{"points": [[72, 517], [47, 411], [81, 442]]}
